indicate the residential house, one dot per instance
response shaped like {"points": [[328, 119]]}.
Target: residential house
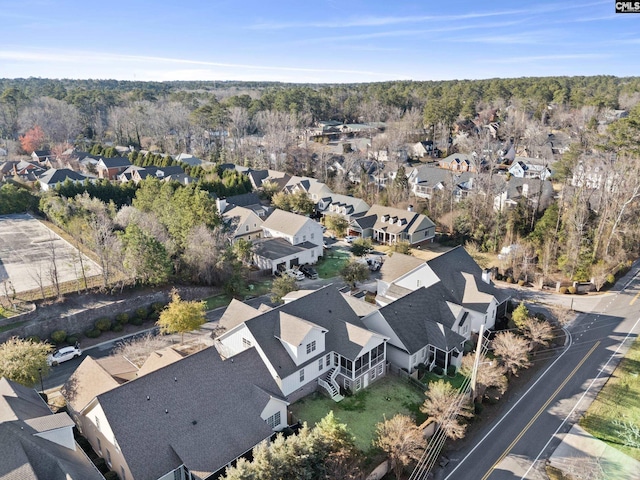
{"points": [[23, 170], [35, 443], [162, 173], [341, 205], [470, 287], [288, 240], [186, 419], [423, 149], [426, 180], [54, 176], [462, 162], [390, 225], [596, 173], [425, 326], [523, 167], [110, 168], [314, 341], [249, 200], [243, 222], [192, 160], [40, 155], [314, 188], [535, 192]]}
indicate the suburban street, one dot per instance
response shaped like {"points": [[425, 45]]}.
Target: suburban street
{"points": [[516, 445]]}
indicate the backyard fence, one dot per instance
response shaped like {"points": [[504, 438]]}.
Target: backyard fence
{"points": [[398, 372]]}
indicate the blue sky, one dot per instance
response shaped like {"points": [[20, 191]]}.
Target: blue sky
{"points": [[315, 41]]}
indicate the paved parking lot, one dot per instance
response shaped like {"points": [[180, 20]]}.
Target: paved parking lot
{"points": [[27, 249]]}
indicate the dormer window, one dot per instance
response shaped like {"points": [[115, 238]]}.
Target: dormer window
{"points": [[385, 218], [311, 347]]}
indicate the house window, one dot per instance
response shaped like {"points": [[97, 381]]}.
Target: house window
{"points": [[97, 423], [108, 458], [328, 359], [302, 375], [372, 374], [320, 365], [246, 343], [311, 347], [418, 283], [358, 383], [123, 475], [380, 369], [246, 228], [99, 446], [304, 238], [312, 236], [274, 420], [347, 384]]}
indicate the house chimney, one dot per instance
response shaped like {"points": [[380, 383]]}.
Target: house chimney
{"points": [[486, 276], [410, 208]]}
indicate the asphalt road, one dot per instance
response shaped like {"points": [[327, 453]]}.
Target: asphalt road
{"points": [[516, 445]]}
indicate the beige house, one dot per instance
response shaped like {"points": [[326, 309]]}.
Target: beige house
{"points": [[244, 223]]}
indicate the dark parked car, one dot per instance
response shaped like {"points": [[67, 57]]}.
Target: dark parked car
{"points": [[309, 271]]}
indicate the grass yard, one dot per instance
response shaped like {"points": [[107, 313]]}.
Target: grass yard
{"points": [[361, 412], [332, 262], [11, 326], [618, 399], [7, 312], [456, 382], [222, 299]]}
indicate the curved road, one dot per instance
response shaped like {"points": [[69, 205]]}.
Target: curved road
{"points": [[516, 445]]}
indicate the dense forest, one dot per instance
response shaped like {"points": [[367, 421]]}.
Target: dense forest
{"points": [[588, 231]]}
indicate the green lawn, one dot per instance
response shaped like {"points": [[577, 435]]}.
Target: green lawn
{"points": [[456, 382], [332, 262], [6, 312], [361, 412], [254, 289], [619, 399], [12, 326]]}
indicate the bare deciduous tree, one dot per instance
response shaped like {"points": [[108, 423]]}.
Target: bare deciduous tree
{"points": [[401, 440], [137, 350], [488, 375], [512, 350], [539, 333], [445, 405]]}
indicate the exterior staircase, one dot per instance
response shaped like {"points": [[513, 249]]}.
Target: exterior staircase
{"points": [[330, 385]]}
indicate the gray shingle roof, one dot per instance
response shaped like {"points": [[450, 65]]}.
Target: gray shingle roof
{"points": [[28, 457], [18, 402], [423, 317], [413, 221], [202, 411], [450, 268], [243, 200], [23, 415], [326, 308], [59, 175], [276, 248], [115, 162]]}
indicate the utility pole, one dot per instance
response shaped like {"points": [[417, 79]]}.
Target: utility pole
{"points": [[474, 373]]}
